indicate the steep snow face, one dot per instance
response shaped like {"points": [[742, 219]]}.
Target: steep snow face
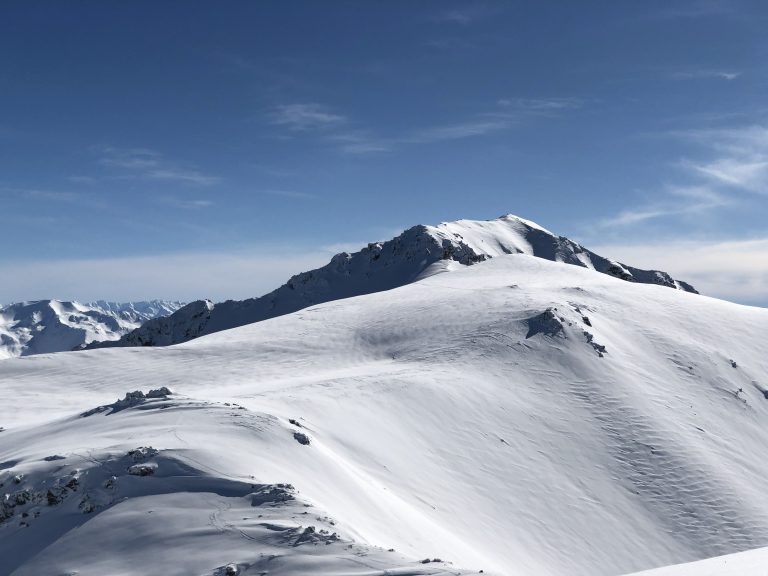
{"points": [[383, 266], [53, 326], [519, 416]]}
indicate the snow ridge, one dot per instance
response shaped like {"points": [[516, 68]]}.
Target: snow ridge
{"points": [[45, 326], [417, 252]]}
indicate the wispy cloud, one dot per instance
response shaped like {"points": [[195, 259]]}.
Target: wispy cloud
{"points": [[56, 195], [508, 112], [738, 157], [186, 204], [742, 173], [38, 194], [457, 131], [293, 194], [181, 175], [351, 139], [304, 117], [707, 74], [735, 162], [151, 165], [132, 158], [539, 105], [466, 13], [80, 179], [678, 201], [360, 142]]}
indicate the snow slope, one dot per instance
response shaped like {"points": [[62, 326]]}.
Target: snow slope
{"points": [[749, 563], [48, 326], [383, 266], [520, 416]]}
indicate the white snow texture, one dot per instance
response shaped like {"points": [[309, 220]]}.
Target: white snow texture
{"points": [[520, 416]]}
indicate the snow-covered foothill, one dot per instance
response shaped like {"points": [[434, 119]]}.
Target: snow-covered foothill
{"points": [[419, 251]]}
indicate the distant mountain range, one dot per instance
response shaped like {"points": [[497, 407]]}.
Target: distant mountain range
{"points": [[45, 326], [417, 252]]}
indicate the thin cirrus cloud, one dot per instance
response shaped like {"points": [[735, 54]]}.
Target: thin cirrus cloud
{"points": [[751, 175], [737, 157], [338, 130], [457, 131], [706, 74], [678, 201], [193, 204], [467, 13], [539, 105], [149, 164], [456, 16], [305, 117], [735, 162], [43, 195], [292, 194]]}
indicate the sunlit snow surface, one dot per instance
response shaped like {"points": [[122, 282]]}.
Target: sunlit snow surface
{"points": [[749, 563], [518, 416]]}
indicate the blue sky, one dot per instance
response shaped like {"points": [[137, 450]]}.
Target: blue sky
{"points": [[197, 149]]}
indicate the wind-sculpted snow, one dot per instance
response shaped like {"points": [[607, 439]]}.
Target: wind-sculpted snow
{"points": [[518, 416], [48, 326], [113, 508], [383, 266]]}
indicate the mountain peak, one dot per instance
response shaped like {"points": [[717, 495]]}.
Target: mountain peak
{"points": [[415, 253]]}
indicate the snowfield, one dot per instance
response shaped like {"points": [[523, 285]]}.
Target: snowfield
{"points": [[519, 416], [752, 562]]}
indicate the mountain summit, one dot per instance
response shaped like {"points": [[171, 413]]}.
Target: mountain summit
{"points": [[418, 252]]}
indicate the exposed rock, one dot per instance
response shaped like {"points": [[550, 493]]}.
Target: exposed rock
{"points": [[301, 438]]}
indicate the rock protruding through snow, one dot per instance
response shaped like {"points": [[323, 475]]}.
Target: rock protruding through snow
{"points": [[130, 400]]}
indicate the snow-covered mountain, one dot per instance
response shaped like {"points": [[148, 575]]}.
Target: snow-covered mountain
{"points": [[53, 325], [518, 417], [383, 266]]}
